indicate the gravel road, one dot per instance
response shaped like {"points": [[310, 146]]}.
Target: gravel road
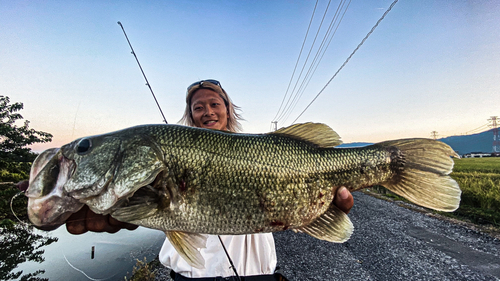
{"points": [[389, 242]]}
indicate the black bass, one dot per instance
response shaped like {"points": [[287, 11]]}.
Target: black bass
{"points": [[190, 181]]}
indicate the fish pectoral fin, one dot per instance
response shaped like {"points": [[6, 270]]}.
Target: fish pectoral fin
{"points": [[135, 212], [187, 245], [142, 204], [333, 226], [316, 133]]}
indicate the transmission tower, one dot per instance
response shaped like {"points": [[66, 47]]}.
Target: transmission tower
{"points": [[434, 134], [496, 136]]}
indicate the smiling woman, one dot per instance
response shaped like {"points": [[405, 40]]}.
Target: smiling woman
{"points": [[208, 110], [209, 106]]}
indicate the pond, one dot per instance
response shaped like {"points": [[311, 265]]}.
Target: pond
{"points": [[59, 255]]}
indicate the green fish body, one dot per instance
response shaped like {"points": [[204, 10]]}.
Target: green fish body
{"points": [[191, 181]]}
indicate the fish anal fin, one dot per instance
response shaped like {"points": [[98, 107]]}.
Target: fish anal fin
{"points": [[316, 133], [187, 245], [333, 226]]}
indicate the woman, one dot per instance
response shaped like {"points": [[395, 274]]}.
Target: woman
{"points": [[209, 106]]}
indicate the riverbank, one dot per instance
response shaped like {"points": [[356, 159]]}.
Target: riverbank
{"points": [[58, 255]]}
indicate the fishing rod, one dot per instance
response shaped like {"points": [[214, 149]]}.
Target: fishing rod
{"points": [[165, 120], [147, 82]]}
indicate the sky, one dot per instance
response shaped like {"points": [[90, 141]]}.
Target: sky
{"points": [[428, 66]]}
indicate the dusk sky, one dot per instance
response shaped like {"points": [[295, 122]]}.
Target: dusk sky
{"points": [[429, 65]]}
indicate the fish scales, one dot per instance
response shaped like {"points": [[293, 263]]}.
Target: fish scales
{"points": [[256, 183]]}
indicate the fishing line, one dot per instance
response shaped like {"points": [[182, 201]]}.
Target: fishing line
{"points": [[27, 224], [230, 260], [12, 208], [14, 213], [143, 74], [74, 121], [82, 272]]}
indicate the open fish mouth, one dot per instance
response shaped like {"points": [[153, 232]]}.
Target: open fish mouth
{"points": [[52, 197], [48, 205]]}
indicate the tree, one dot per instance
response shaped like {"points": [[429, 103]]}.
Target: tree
{"points": [[19, 243], [15, 156]]}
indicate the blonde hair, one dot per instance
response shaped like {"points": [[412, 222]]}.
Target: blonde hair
{"points": [[233, 124]]}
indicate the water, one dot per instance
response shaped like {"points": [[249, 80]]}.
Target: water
{"points": [[70, 257]]}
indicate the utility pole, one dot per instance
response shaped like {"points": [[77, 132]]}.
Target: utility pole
{"points": [[275, 125], [434, 134], [496, 136]]}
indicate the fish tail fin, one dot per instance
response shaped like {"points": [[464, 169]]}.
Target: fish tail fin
{"points": [[422, 173]]}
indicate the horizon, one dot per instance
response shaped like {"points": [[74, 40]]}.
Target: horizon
{"points": [[362, 143]]}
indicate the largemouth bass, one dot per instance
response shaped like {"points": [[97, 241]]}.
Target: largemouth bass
{"points": [[190, 181]]}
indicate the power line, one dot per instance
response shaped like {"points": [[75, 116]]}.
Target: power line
{"points": [[480, 128], [305, 62], [296, 96], [328, 36], [295, 68], [350, 56], [320, 53]]}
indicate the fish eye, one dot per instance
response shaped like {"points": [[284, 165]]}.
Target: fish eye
{"points": [[83, 146]]}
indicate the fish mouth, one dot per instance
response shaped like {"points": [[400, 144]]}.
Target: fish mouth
{"points": [[51, 212], [48, 205]]}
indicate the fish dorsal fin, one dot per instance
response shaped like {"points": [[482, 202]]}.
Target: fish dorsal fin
{"points": [[187, 245], [316, 133], [333, 226]]}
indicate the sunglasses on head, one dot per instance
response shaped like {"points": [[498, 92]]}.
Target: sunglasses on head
{"points": [[200, 83]]}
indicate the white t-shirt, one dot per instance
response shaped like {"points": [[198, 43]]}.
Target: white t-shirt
{"points": [[252, 254]]}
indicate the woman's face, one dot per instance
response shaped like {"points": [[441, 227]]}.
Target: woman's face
{"points": [[209, 110]]}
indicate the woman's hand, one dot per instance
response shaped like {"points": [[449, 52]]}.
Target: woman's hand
{"points": [[343, 200], [86, 220]]}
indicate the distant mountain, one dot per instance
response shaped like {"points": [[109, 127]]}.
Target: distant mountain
{"points": [[482, 142], [354, 144]]}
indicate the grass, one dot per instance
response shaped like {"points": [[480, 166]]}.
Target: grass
{"points": [[479, 179], [144, 271]]}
